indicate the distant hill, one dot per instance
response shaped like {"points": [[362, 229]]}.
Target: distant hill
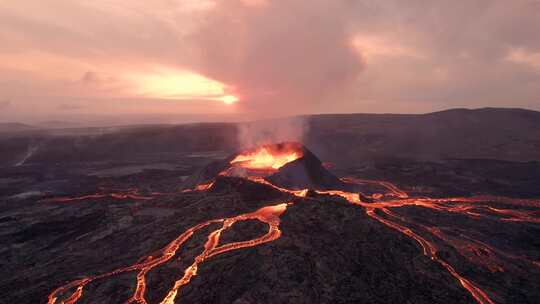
{"points": [[355, 139], [15, 127], [492, 133]]}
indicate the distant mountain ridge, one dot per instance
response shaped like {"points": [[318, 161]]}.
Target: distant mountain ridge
{"points": [[15, 127], [487, 133], [355, 139]]}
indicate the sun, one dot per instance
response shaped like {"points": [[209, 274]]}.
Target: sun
{"points": [[229, 99]]}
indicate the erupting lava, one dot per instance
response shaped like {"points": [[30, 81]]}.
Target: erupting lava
{"points": [[275, 157], [268, 157]]}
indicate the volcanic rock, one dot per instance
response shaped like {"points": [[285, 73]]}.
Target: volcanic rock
{"points": [[305, 172], [246, 189], [207, 173]]}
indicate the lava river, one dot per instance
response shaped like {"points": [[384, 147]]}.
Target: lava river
{"points": [[381, 208], [71, 292]]}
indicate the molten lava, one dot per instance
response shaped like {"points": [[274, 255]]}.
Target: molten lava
{"points": [[129, 194], [268, 157], [200, 187], [271, 158], [71, 292]]}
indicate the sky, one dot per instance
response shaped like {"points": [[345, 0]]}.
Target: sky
{"points": [[140, 61]]}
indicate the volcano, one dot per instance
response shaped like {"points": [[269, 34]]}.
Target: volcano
{"points": [[306, 172], [287, 165]]}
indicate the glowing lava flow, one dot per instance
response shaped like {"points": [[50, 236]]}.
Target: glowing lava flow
{"points": [[269, 215], [267, 159], [298, 193], [201, 187], [474, 207], [431, 251], [395, 191], [128, 194]]}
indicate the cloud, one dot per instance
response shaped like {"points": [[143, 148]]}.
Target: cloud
{"points": [[441, 54], [280, 57], [525, 57], [70, 107], [283, 57], [4, 103], [379, 48]]}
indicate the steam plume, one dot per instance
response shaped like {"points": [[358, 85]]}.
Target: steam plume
{"points": [[283, 58], [253, 134]]}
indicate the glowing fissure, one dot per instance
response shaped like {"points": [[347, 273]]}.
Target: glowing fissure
{"points": [[121, 195], [267, 159], [431, 251]]}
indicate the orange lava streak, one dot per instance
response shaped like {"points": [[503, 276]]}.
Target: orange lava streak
{"points": [[475, 251], [394, 190], [79, 284], [465, 206], [269, 215], [431, 251], [298, 193], [353, 198], [265, 158], [515, 215], [498, 199], [200, 187], [150, 262], [130, 194]]}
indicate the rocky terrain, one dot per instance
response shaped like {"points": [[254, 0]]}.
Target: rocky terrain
{"points": [[456, 229]]}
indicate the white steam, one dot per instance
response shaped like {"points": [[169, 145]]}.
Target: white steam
{"points": [[257, 133]]}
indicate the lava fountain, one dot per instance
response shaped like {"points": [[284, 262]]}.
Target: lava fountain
{"points": [[268, 157]]}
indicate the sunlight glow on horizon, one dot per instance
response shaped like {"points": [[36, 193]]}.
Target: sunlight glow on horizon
{"points": [[166, 83], [229, 99]]}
